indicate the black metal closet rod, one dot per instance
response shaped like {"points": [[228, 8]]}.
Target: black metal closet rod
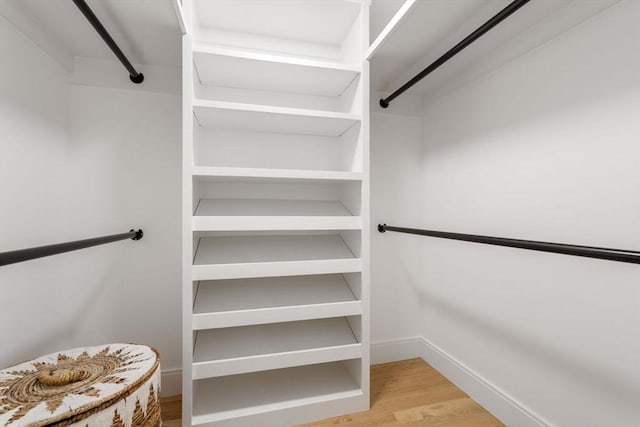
{"points": [[484, 28], [13, 257], [620, 255], [134, 75]]}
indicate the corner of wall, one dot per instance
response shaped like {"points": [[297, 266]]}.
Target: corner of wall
{"points": [[498, 403]]}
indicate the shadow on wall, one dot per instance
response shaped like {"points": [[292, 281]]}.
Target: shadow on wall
{"points": [[570, 72], [66, 316], [479, 324], [476, 323]]}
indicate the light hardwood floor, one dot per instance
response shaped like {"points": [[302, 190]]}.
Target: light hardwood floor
{"points": [[409, 393]]}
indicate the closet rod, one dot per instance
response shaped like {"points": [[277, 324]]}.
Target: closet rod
{"points": [[134, 76], [620, 255], [484, 28], [13, 257]]}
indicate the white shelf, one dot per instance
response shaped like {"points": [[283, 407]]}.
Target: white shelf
{"points": [[267, 118], [224, 398], [302, 28], [236, 68], [241, 302], [230, 351], [270, 214], [236, 257], [262, 174]]}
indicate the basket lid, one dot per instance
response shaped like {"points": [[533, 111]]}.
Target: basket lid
{"points": [[62, 385]]}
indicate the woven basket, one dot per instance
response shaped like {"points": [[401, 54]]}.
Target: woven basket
{"points": [[112, 385]]}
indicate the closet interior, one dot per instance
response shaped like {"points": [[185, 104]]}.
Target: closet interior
{"points": [[318, 186]]}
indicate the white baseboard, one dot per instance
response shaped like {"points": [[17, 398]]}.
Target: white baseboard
{"points": [[502, 406], [392, 351], [171, 382]]}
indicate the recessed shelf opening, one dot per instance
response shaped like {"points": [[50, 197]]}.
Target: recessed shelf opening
{"points": [[290, 199], [319, 29], [242, 77], [274, 246], [245, 341], [254, 301], [251, 117], [243, 148], [231, 255], [240, 349], [223, 398]]}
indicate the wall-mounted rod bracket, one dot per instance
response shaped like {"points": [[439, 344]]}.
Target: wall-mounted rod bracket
{"points": [[483, 29], [134, 75]]}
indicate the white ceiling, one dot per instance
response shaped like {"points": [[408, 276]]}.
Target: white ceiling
{"points": [[146, 30], [431, 27], [380, 14]]}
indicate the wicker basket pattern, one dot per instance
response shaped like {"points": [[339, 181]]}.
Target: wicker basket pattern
{"points": [[112, 385]]}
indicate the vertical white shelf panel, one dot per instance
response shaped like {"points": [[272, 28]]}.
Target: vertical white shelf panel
{"points": [[187, 209], [275, 289]]}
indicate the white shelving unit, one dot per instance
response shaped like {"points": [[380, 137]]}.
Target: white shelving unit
{"points": [[275, 211]]}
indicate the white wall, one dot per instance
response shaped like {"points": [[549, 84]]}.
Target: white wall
{"points": [[396, 152], [77, 161], [126, 152], [545, 148], [35, 183]]}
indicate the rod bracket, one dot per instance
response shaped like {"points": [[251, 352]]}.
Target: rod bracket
{"points": [[137, 79], [383, 103], [381, 228], [138, 235]]}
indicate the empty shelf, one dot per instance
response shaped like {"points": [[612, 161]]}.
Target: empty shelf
{"points": [[272, 214], [231, 257], [252, 70], [223, 398], [241, 302], [265, 118], [230, 351], [314, 28], [263, 174]]}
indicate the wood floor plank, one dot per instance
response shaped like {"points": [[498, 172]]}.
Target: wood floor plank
{"points": [[455, 413], [171, 408], [409, 393]]}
